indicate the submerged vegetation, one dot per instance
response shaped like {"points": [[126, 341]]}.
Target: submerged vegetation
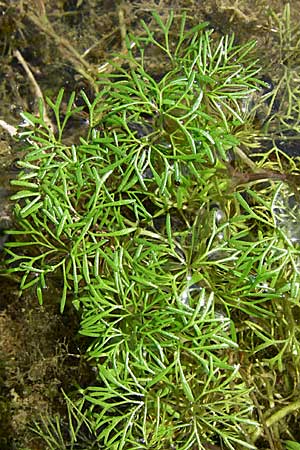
{"points": [[172, 227]]}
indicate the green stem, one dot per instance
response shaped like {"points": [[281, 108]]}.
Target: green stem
{"points": [[282, 413]]}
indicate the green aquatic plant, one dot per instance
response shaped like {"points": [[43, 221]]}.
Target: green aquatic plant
{"points": [[291, 445], [190, 116], [171, 253], [73, 433], [279, 107]]}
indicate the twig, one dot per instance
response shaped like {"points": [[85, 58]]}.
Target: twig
{"points": [[80, 64], [123, 30], [36, 87], [12, 131]]}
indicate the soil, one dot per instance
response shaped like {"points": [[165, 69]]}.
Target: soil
{"points": [[63, 43], [40, 355]]}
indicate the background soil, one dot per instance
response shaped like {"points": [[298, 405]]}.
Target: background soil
{"points": [[57, 44]]}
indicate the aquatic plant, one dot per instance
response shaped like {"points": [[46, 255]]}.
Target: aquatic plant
{"points": [[291, 445], [171, 253]]}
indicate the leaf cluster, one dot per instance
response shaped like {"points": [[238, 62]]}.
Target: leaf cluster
{"points": [[159, 253]]}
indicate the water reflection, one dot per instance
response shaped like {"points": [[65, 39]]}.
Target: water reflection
{"points": [[286, 212]]}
